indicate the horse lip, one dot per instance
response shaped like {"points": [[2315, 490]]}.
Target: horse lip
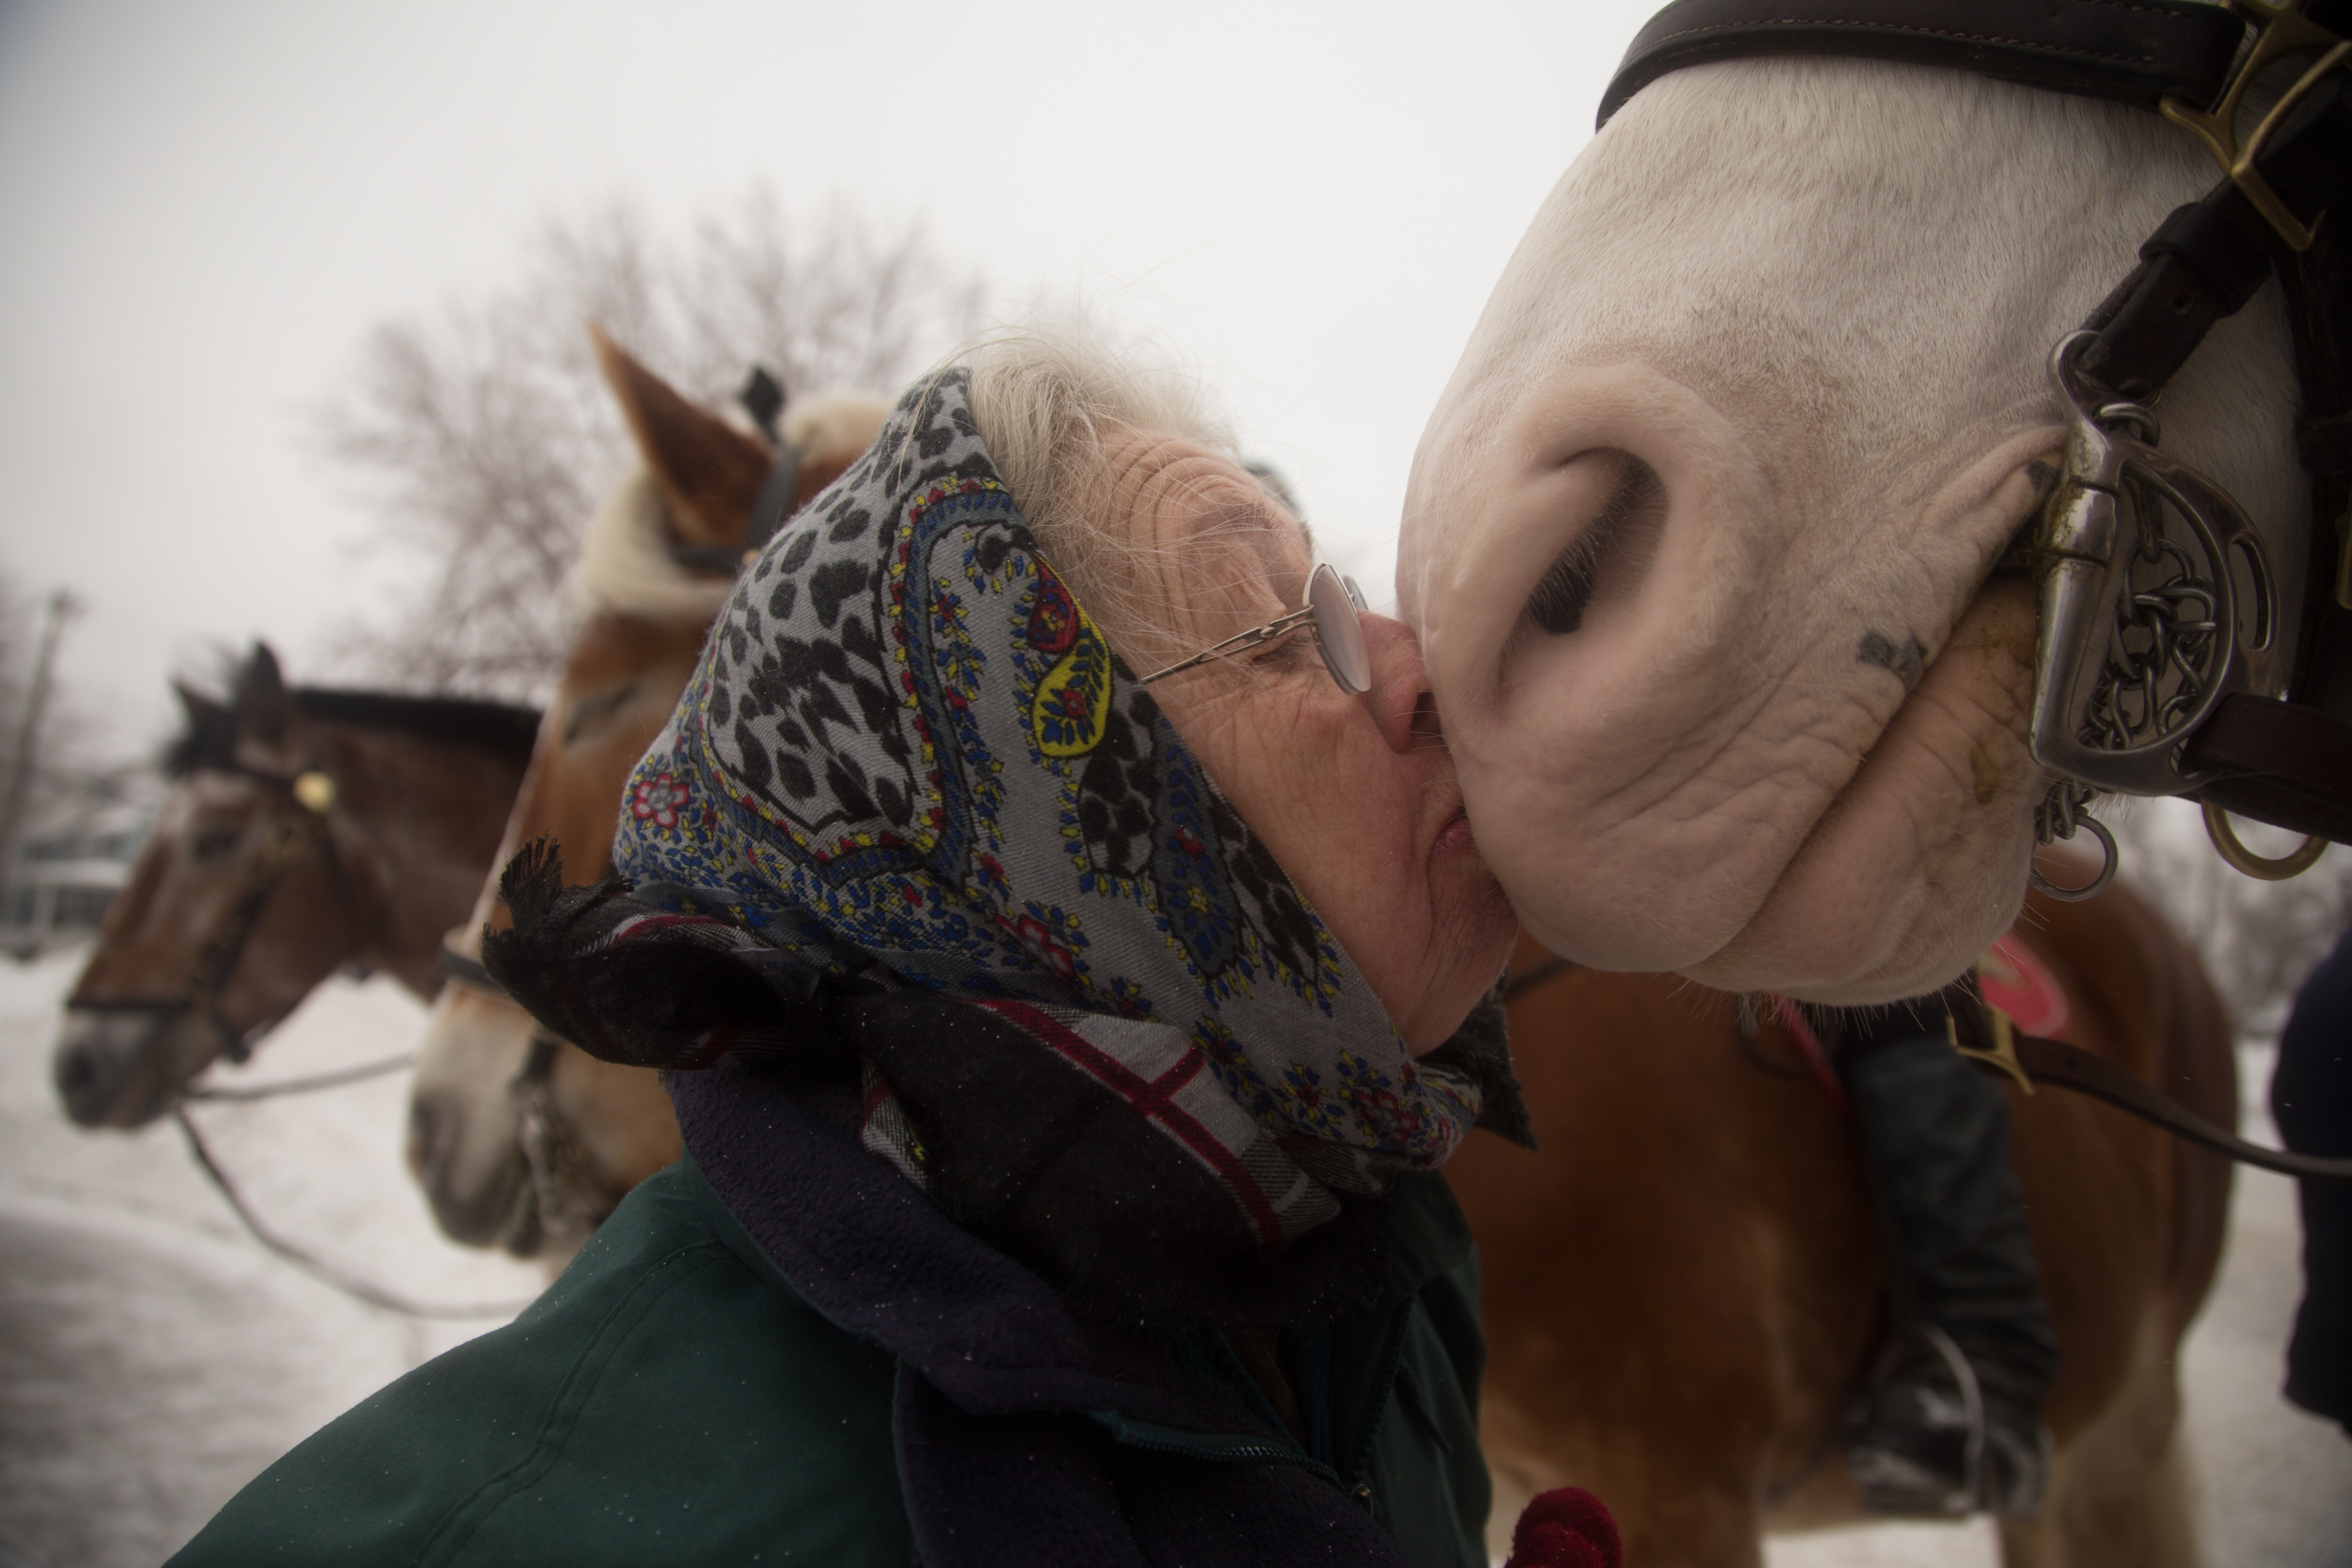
{"points": [[502, 1211], [105, 1082], [524, 1232]]}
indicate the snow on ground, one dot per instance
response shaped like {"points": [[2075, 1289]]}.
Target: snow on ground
{"points": [[153, 1358]]}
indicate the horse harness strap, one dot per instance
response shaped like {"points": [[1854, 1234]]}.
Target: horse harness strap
{"points": [[763, 397], [297, 822], [2148, 688], [2138, 53], [552, 1143], [1991, 1041]]}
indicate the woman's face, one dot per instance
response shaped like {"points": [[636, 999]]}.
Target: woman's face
{"points": [[1354, 795]]}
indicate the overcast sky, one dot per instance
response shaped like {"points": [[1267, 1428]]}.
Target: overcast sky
{"points": [[206, 205]]}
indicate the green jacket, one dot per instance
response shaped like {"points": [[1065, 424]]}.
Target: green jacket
{"points": [[673, 1399]]}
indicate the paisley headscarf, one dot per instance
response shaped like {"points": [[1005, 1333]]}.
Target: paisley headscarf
{"points": [[907, 754]]}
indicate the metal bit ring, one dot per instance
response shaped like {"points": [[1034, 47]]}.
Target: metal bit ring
{"points": [[2097, 884], [2227, 845]]}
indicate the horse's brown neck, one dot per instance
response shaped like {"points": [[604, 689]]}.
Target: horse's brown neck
{"points": [[417, 824], [619, 688]]}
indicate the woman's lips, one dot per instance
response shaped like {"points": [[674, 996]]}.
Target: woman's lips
{"points": [[1455, 838]]}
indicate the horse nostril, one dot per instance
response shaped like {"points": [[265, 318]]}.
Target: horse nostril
{"points": [[76, 1076]]}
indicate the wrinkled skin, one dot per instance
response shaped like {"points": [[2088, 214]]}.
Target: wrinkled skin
{"points": [[1354, 795], [1762, 399]]}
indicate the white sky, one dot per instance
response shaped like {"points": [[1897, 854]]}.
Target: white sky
{"points": [[205, 206]]}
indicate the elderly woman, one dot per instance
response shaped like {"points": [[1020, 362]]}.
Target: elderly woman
{"points": [[1053, 906]]}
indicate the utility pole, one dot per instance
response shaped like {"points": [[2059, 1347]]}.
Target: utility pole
{"points": [[62, 606]]}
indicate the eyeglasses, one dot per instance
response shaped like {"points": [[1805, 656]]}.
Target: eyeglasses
{"points": [[1333, 604]]}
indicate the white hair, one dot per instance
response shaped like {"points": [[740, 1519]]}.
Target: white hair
{"points": [[625, 566], [1049, 401]]}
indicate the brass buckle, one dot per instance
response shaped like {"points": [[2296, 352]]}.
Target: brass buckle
{"points": [[2003, 1053], [2227, 844], [2284, 30]]}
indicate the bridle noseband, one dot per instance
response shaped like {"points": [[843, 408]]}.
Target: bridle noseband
{"points": [[298, 821], [2149, 680]]}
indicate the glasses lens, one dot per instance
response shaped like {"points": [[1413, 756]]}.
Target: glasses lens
{"points": [[1338, 631]]}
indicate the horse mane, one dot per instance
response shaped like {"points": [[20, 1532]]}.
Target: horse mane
{"points": [[625, 565], [209, 739]]}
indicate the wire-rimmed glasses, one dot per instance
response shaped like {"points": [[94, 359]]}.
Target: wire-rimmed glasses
{"points": [[1333, 604]]}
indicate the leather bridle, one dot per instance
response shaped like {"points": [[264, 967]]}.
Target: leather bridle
{"points": [[550, 1141], [553, 1148], [2150, 676], [300, 821], [763, 398]]}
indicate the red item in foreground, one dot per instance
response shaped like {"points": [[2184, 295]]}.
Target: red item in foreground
{"points": [[1566, 1527]]}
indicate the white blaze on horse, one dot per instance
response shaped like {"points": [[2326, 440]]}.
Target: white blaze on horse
{"points": [[1701, 539]]}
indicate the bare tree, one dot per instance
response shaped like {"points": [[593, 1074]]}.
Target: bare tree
{"points": [[484, 433]]}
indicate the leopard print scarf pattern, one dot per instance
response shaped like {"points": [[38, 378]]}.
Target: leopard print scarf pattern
{"points": [[909, 751]]}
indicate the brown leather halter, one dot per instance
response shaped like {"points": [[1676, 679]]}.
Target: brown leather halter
{"points": [[299, 822], [1987, 1036]]}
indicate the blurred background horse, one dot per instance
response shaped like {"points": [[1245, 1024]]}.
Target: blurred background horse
{"points": [[1683, 1287], [520, 1140], [307, 831]]}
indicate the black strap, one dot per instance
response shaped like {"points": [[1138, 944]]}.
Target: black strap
{"points": [[773, 505], [2057, 1065], [2062, 1066], [451, 964], [2281, 763], [2210, 257], [775, 502], [762, 398], [2130, 51]]}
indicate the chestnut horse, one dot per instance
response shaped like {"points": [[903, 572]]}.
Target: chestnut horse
{"points": [[518, 1140], [1682, 1287], [308, 830]]}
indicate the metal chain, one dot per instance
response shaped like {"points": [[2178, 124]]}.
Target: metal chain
{"points": [[2165, 633], [2064, 812]]}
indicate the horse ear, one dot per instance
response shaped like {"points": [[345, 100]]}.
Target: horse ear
{"points": [[201, 709], [209, 739], [709, 472], [265, 709]]}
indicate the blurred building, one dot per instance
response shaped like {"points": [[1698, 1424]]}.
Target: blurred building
{"points": [[73, 859]]}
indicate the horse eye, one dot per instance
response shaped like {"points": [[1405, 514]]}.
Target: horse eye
{"points": [[591, 712], [214, 842]]}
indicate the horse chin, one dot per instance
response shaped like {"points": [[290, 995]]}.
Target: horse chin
{"points": [[119, 1068], [1884, 883], [489, 1205], [1920, 861]]}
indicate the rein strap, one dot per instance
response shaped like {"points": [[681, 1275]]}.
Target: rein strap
{"points": [[2128, 51]]}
